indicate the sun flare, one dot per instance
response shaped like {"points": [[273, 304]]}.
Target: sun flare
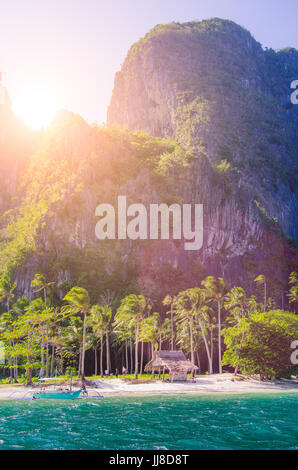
{"points": [[36, 105]]}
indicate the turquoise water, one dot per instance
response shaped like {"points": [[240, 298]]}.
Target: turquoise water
{"points": [[158, 422]]}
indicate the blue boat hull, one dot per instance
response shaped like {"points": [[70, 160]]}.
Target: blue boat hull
{"points": [[58, 394]]}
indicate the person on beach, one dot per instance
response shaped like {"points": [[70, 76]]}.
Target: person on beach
{"points": [[84, 389]]}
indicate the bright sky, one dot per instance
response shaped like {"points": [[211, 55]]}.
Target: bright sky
{"points": [[64, 53]]}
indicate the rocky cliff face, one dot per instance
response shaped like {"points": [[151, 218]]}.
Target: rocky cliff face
{"points": [[208, 86], [213, 88], [16, 144]]}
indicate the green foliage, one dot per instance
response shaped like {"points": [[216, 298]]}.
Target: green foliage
{"points": [[293, 293], [266, 349]]}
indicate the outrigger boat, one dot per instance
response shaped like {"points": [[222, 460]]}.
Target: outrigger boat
{"points": [[56, 393]]}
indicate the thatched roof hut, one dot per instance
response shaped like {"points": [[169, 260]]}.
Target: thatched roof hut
{"points": [[173, 361]]}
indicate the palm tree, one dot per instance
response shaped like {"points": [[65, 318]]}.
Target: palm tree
{"points": [[155, 331], [237, 302], [7, 286], [78, 302], [168, 301], [293, 293], [215, 289], [40, 284], [124, 330], [133, 309], [18, 309], [101, 319], [69, 338], [191, 305], [37, 309]]}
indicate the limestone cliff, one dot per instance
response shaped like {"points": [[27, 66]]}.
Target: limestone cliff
{"points": [[223, 105], [214, 89]]}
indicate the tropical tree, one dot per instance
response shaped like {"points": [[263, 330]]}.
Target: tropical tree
{"points": [[124, 328], [37, 310], [78, 303], [191, 305], [266, 348], [101, 321], [168, 301], [293, 293], [7, 287], [216, 290], [154, 330], [133, 309], [7, 337], [236, 303], [40, 284], [17, 310]]}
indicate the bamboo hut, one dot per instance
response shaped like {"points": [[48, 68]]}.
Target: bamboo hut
{"points": [[172, 361]]}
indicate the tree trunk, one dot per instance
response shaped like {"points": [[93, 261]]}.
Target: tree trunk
{"points": [[47, 354], [16, 367], [198, 361], [131, 360], [142, 357], [42, 352], [126, 356], [207, 348], [52, 360], [191, 340], [95, 361], [136, 351], [10, 360], [241, 344], [108, 353], [211, 345], [172, 329], [219, 339], [29, 374], [80, 361], [84, 345], [101, 357]]}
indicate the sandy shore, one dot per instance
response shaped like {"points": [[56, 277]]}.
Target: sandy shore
{"points": [[208, 384]]}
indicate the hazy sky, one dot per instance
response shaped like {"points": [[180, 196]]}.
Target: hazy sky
{"points": [[69, 50]]}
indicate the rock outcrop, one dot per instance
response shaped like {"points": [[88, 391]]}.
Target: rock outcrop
{"points": [[214, 89]]}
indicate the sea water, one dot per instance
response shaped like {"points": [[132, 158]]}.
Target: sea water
{"points": [[180, 422]]}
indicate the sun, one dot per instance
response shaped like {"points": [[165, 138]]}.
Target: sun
{"points": [[36, 104]]}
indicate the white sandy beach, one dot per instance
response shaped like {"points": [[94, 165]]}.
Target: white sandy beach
{"points": [[208, 384]]}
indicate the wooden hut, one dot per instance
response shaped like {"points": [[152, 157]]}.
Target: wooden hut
{"points": [[172, 361]]}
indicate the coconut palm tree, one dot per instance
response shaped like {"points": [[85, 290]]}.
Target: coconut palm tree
{"points": [[101, 321], [133, 309], [293, 293], [191, 305], [168, 301], [78, 303], [216, 289], [238, 304], [124, 327], [7, 287], [39, 283]]}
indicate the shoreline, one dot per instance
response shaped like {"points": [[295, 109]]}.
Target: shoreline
{"points": [[212, 385]]}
